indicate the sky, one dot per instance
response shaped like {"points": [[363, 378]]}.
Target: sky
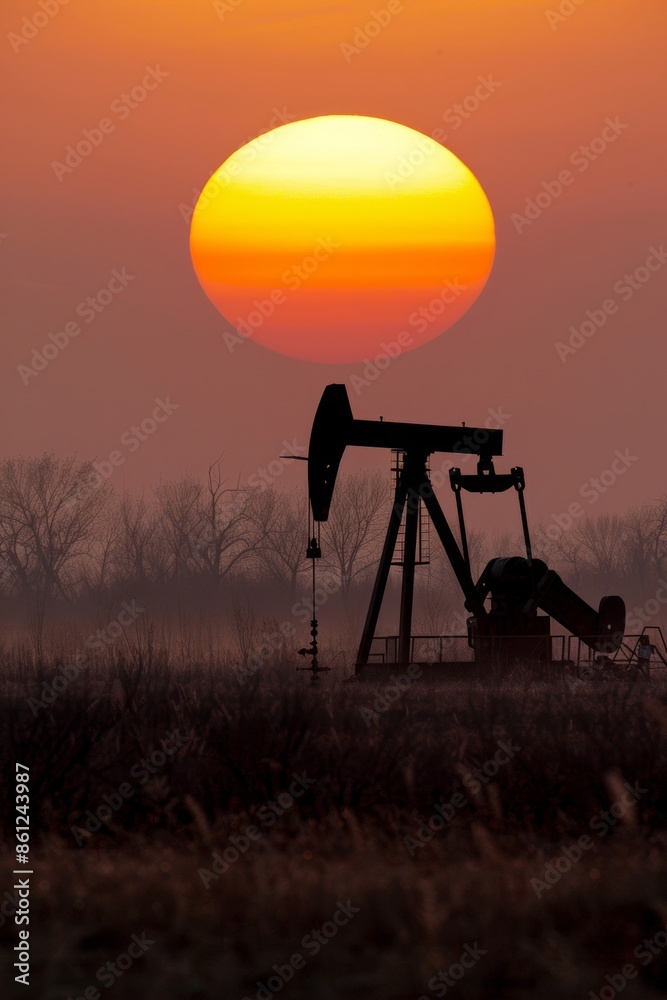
{"points": [[111, 348]]}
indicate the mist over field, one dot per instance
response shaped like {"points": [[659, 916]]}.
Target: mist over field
{"points": [[205, 821], [210, 565]]}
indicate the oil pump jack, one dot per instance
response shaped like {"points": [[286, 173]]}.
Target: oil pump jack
{"points": [[517, 587]]}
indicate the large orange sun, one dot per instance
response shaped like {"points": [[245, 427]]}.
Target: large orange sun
{"points": [[334, 239]]}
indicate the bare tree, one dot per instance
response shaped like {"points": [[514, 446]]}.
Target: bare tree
{"points": [[602, 540], [642, 527], [139, 553], [179, 504], [280, 521], [99, 570], [207, 527], [228, 536], [659, 535], [591, 552], [355, 527], [50, 512]]}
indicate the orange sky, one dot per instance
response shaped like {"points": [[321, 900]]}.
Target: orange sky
{"points": [[218, 81]]}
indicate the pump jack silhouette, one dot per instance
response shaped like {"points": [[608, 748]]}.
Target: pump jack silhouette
{"points": [[518, 586]]}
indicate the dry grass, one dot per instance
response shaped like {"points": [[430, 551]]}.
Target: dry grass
{"points": [[342, 839]]}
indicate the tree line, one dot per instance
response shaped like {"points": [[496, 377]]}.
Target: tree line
{"points": [[64, 534]]}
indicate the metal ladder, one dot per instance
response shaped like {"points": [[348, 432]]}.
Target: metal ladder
{"points": [[424, 528]]}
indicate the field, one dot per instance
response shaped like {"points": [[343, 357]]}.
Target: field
{"points": [[264, 836]]}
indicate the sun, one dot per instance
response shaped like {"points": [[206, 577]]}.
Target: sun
{"points": [[338, 238]]}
